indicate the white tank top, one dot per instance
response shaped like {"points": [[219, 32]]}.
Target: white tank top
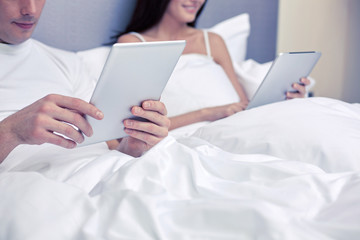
{"points": [[206, 39], [197, 82]]}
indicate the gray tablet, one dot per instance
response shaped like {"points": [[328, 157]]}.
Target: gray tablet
{"points": [[287, 69], [133, 72]]}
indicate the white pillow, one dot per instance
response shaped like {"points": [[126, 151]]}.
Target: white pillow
{"points": [[235, 32], [321, 131], [250, 75]]}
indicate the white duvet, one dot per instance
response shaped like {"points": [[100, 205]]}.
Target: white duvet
{"points": [[238, 178], [289, 170]]}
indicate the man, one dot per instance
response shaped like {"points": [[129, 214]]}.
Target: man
{"points": [[54, 84]]}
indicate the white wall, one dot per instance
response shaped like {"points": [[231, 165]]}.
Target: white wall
{"points": [[329, 26]]}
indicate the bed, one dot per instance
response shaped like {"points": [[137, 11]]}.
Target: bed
{"points": [[288, 170]]}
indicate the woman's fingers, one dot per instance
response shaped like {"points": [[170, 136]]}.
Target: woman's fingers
{"points": [[300, 89]]}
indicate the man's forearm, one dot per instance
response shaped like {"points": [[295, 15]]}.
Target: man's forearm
{"points": [[132, 147], [7, 144]]}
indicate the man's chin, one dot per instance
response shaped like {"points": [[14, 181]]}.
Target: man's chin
{"points": [[16, 41]]}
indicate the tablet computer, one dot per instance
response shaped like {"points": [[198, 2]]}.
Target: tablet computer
{"points": [[286, 69], [133, 72]]}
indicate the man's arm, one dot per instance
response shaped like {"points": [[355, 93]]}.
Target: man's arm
{"points": [[7, 143], [39, 122]]}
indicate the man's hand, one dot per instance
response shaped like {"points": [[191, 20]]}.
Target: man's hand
{"points": [[39, 122], [144, 134], [300, 89]]}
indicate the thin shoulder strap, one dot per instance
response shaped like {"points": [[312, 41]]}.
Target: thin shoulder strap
{"points": [[207, 43], [138, 35]]}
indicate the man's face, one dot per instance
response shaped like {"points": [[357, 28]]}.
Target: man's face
{"points": [[18, 19]]}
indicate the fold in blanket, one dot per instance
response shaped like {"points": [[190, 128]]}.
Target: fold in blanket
{"points": [[188, 190]]}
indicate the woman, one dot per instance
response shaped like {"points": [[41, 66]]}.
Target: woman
{"points": [[166, 20]]}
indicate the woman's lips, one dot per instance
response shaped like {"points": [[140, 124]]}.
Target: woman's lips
{"points": [[191, 9]]}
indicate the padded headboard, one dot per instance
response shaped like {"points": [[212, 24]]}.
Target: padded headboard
{"points": [[82, 24], [263, 21]]}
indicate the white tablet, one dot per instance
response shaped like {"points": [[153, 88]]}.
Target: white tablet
{"points": [[133, 72], [287, 69]]}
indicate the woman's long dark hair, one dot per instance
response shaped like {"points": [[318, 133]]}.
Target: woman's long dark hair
{"points": [[148, 13]]}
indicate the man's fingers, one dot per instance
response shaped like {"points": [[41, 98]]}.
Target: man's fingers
{"points": [[149, 139], [42, 135], [72, 110], [153, 116], [61, 141], [146, 127], [68, 131], [152, 131], [75, 104], [75, 119], [48, 126], [155, 106]]}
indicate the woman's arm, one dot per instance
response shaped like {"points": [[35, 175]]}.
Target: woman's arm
{"points": [[206, 114], [221, 56]]}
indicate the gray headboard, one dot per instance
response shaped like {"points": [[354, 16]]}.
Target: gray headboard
{"points": [[263, 21], [83, 24]]}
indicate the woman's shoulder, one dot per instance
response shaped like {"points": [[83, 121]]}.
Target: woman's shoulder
{"points": [[215, 38], [128, 37]]}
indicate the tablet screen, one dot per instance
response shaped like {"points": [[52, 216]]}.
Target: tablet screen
{"points": [[288, 68], [133, 72]]}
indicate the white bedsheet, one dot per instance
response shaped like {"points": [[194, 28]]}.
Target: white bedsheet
{"points": [[191, 189]]}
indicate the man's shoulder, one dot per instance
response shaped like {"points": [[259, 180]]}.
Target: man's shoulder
{"points": [[51, 49], [56, 53]]}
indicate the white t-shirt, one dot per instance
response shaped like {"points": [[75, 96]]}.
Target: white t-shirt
{"points": [[198, 81], [32, 70]]}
